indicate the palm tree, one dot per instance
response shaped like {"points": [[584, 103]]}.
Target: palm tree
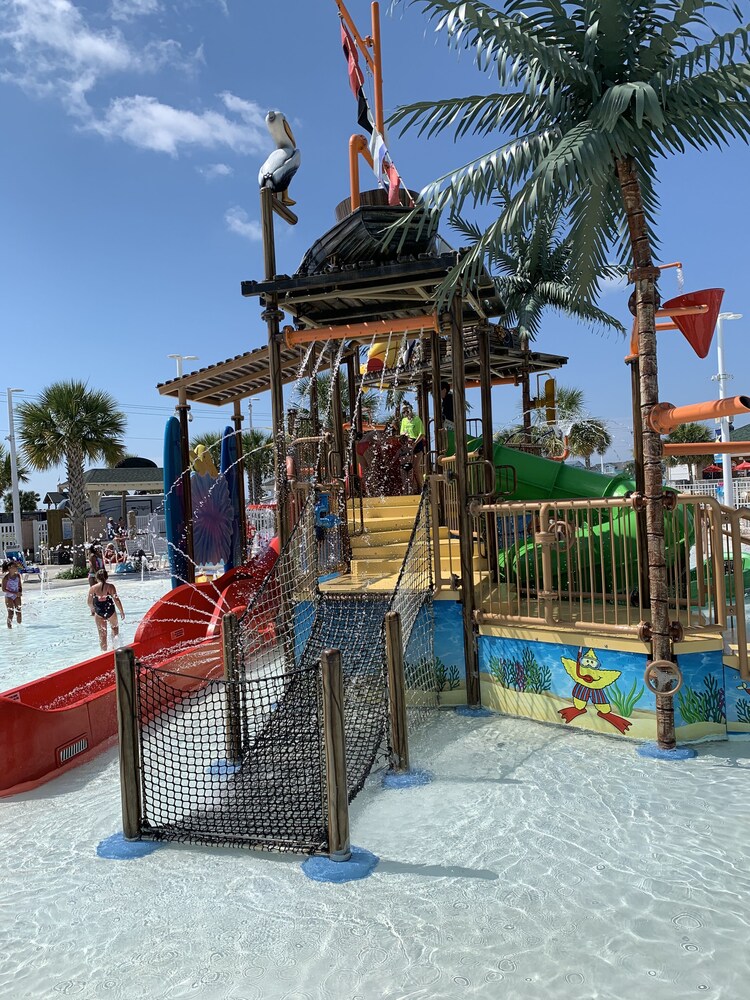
{"points": [[531, 268], [5, 470], [588, 436], [369, 400], [28, 500], [591, 94], [688, 434], [71, 424]]}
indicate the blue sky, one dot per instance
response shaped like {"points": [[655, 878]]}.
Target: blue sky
{"points": [[132, 136]]}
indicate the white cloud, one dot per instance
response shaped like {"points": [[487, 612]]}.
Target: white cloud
{"points": [[238, 222], [128, 10], [214, 170], [53, 50], [147, 123], [613, 284]]}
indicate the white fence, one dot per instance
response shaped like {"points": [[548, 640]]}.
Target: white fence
{"points": [[715, 488]]}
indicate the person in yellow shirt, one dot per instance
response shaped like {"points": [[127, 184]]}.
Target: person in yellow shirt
{"points": [[412, 428]]}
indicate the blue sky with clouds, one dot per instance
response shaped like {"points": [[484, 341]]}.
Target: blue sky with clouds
{"points": [[132, 135]]}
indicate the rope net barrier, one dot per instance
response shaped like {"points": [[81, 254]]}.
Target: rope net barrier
{"points": [[239, 759]]}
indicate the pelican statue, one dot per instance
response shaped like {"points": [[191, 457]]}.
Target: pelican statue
{"points": [[283, 163]]}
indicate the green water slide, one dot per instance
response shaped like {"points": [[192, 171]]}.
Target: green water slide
{"points": [[604, 553]]}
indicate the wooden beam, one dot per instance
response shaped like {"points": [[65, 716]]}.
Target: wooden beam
{"points": [[128, 725], [335, 755], [454, 324]]}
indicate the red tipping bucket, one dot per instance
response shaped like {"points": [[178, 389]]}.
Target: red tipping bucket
{"points": [[698, 330]]}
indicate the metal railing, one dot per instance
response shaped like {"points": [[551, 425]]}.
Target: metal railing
{"points": [[735, 532], [715, 488], [581, 563]]}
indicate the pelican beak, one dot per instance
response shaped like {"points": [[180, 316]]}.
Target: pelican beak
{"points": [[289, 133]]}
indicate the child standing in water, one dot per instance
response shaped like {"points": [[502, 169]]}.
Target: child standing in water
{"points": [[12, 591], [102, 601]]}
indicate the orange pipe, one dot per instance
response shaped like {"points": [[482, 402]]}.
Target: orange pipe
{"points": [[360, 41], [565, 454], [707, 448], [357, 147], [664, 417], [360, 331], [476, 383], [377, 69]]}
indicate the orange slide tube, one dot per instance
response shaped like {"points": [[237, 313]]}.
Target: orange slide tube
{"points": [[708, 448], [665, 417]]}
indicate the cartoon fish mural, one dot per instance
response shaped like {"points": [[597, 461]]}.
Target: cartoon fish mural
{"points": [[590, 682]]}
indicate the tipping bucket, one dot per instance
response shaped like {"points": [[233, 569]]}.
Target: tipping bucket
{"points": [[698, 330]]}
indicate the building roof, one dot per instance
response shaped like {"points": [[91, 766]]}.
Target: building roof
{"points": [[117, 480], [740, 433]]}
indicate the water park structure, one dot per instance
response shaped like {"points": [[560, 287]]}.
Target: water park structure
{"points": [[510, 583]]}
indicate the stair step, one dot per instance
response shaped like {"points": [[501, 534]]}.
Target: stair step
{"points": [[387, 536], [381, 511], [389, 524], [406, 501]]}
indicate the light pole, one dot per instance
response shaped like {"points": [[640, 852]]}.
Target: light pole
{"points": [[17, 527], [722, 376], [179, 358]]}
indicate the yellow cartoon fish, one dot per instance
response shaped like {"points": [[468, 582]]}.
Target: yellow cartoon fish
{"points": [[590, 681]]}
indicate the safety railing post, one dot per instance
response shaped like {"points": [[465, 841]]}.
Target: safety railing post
{"points": [[394, 654], [129, 736], [232, 701], [335, 754]]}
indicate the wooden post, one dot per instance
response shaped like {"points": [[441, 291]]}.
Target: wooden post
{"points": [[437, 401], [485, 388], [351, 379], [312, 375], [230, 648], [129, 735], [183, 410], [337, 418], [241, 496], [273, 316], [396, 691], [454, 324], [526, 398], [335, 750]]}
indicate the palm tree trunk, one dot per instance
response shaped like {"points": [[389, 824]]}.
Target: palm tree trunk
{"points": [[76, 502], [645, 275]]}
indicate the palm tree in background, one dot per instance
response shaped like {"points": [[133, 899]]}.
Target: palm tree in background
{"points": [[369, 399], [6, 478], [590, 95], [532, 270], [589, 436], [71, 424], [687, 434]]}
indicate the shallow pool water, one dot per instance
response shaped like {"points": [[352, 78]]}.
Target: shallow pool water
{"points": [[540, 863], [58, 630]]}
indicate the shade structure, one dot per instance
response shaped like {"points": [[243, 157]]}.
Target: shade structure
{"points": [[742, 467], [698, 329], [711, 470]]}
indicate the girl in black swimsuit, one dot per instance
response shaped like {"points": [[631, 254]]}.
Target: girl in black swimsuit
{"points": [[102, 601]]}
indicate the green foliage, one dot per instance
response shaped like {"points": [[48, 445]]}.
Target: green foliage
{"points": [[588, 436], [28, 499], [702, 706], [582, 88], [524, 675], [625, 703], [369, 400], [6, 478], [687, 434], [74, 573]]}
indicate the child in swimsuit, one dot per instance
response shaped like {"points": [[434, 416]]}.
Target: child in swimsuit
{"points": [[95, 564], [102, 601], [12, 591]]}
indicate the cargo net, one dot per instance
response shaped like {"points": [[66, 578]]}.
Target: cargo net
{"points": [[239, 759], [412, 599]]}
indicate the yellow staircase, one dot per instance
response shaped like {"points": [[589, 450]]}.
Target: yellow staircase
{"points": [[378, 552]]}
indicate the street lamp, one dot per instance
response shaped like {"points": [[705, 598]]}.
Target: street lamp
{"points": [[722, 377], [179, 358], [17, 528]]}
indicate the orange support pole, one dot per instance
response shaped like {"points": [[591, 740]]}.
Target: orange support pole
{"points": [[707, 448], [361, 331], [357, 147], [665, 417]]}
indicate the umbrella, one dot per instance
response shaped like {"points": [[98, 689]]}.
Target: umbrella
{"points": [[711, 470], [743, 467]]}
